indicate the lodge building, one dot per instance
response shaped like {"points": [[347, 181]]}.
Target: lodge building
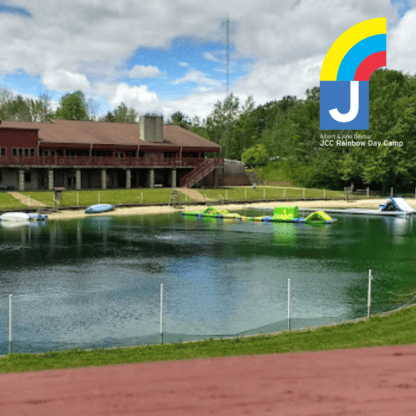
{"points": [[98, 155]]}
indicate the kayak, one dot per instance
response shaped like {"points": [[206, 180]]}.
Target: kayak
{"points": [[96, 209]]}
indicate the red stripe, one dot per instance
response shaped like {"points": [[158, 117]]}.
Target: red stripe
{"points": [[369, 65]]}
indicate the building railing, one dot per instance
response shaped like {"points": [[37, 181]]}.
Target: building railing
{"points": [[103, 161]]}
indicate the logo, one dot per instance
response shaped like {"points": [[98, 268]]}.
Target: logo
{"points": [[345, 75]]}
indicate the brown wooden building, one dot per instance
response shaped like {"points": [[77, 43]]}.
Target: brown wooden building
{"points": [[91, 155]]}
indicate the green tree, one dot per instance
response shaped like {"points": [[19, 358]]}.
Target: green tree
{"points": [[73, 107], [256, 155]]}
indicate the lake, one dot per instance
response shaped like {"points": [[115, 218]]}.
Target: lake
{"points": [[95, 282]]}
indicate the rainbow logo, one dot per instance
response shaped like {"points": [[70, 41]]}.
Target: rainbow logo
{"points": [[345, 75]]}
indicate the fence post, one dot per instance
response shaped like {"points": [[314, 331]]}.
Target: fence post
{"points": [[264, 193], [245, 194], [368, 192], [391, 193], [369, 294], [161, 313], [288, 304], [304, 193], [186, 197], [142, 197], [324, 193], [77, 199], [10, 325], [226, 195], [98, 197]]}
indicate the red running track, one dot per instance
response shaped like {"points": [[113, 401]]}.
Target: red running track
{"points": [[374, 381]]}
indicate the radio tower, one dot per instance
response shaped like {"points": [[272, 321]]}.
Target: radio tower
{"points": [[227, 85]]}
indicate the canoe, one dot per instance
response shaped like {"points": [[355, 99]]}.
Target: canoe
{"points": [[96, 209], [22, 216]]}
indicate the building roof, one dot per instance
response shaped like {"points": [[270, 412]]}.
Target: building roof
{"points": [[91, 132]]}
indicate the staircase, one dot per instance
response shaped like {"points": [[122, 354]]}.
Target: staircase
{"points": [[202, 170]]}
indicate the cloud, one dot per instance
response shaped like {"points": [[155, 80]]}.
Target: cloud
{"points": [[196, 77], [65, 81], [141, 71], [183, 64], [213, 56], [140, 98]]}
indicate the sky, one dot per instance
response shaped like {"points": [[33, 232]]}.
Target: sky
{"points": [[170, 55]]}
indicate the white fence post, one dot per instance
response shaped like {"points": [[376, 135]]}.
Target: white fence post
{"points": [[368, 192], [98, 197], [10, 325], [161, 313], [324, 193], [369, 294], [142, 197], [391, 193], [245, 194], [264, 193], [77, 199], [288, 304], [226, 195]]}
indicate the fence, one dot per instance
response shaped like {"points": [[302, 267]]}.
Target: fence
{"points": [[296, 319]]}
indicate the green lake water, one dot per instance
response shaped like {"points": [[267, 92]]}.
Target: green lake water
{"points": [[95, 282]]}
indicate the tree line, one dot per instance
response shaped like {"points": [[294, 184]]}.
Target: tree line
{"points": [[286, 130]]}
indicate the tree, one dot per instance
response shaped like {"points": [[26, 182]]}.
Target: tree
{"points": [[122, 114], [181, 120], [73, 107], [256, 155]]}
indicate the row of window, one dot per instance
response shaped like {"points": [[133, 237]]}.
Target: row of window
{"points": [[28, 177]]}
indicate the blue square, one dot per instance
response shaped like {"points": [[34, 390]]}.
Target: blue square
{"points": [[336, 95]]}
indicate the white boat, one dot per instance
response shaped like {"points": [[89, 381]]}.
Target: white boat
{"points": [[22, 217]]}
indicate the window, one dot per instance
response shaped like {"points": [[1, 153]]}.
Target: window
{"points": [[14, 152], [3, 151], [20, 152], [0, 177], [32, 152], [26, 152], [119, 154], [28, 177]]}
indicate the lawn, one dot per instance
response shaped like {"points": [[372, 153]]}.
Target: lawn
{"points": [[397, 328], [9, 202], [114, 197]]}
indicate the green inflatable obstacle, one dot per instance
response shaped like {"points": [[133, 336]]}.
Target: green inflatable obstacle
{"points": [[288, 213], [319, 217]]}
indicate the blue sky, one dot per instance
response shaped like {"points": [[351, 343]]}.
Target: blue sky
{"points": [[170, 55]]}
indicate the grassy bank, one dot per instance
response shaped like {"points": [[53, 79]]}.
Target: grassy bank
{"points": [[395, 329], [9, 202]]}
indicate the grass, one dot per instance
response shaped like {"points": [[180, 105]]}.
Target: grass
{"points": [[395, 329], [239, 193], [9, 202], [115, 197]]}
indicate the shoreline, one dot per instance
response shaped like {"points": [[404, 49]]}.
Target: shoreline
{"points": [[154, 210]]}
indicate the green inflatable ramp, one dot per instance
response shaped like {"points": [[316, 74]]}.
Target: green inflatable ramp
{"points": [[319, 217]]}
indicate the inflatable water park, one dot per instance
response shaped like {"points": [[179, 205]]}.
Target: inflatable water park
{"points": [[280, 214]]}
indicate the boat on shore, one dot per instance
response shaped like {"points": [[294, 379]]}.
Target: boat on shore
{"points": [[98, 208], [22, 217]]}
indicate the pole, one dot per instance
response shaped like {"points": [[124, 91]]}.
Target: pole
{"points": [[368, 192], [288, 304], [161, 313], [142, 197], [10, 325], [391, 193], [226, 195], [98, 197], [324, 193], [369, 294], [264, 193], [245, 194], [77, 199]]}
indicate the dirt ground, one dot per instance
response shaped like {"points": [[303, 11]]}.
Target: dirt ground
{"points": [[373, 381]]}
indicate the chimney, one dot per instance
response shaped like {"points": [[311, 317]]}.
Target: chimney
{"points": [[151, 128]]}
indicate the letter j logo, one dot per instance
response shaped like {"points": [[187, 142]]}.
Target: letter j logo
{"points": [[345, 74]]}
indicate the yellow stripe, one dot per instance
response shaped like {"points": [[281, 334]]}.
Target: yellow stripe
{"points": [[346, 41]]}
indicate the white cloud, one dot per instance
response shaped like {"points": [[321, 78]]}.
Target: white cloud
{"points": [[197, 77], [65, 81], [183, 64], [139, 98], [213, 56], [142, 71]]}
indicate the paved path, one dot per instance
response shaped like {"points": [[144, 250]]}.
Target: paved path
{"points": [[27, 201], [372, 381], [192, 193]]}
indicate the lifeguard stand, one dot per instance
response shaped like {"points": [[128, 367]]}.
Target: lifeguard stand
{"points": [[57, 197]]}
